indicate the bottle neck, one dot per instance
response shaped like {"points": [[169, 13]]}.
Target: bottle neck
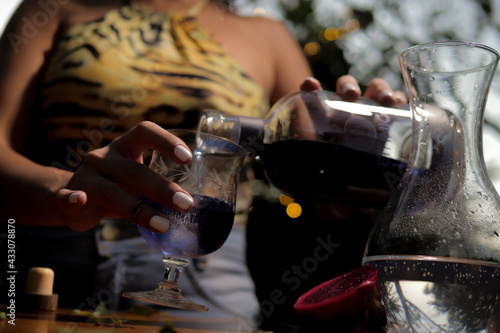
{"points": [[251, 134], [248, 132]]}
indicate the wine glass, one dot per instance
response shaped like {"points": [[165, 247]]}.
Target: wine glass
{"points": [[211, 178]]}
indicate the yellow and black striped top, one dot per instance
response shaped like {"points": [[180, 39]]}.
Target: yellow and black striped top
{"points": [[134, 64]]}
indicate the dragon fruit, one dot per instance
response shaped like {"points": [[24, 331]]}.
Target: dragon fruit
{"points": [[349, 300]]}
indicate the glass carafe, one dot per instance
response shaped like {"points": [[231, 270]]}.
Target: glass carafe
{"points": [[317, 147], [436, 244]]}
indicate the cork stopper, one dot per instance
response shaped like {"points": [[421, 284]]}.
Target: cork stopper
{"points": [[40, 281], [38, 293]]}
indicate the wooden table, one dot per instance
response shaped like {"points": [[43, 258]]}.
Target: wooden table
{"points": [[65, 321]]}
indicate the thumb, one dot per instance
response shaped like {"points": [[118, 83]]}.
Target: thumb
{"points": [[69, 200]]}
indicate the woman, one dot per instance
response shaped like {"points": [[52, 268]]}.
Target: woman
{"points": [[89, 86]]}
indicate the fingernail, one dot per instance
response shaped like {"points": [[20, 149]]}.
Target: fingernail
{"points": [[182, 153], [384, 94], [73, 198], [349, 87], [400, 99], [159, 223], [182, 200]]}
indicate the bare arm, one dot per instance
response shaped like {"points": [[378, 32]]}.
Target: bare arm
{"points": [[291, 66], [109, 179], [26, 186]]}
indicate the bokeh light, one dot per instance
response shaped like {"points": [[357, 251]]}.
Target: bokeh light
{"points": [[294, 210], [330, 34], [352, 25], [312, 48], [259, 11], [285, 200]]}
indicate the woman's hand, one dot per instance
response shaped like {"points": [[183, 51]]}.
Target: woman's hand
{"points": [[111, 179], [378, 90], [348, 88]]}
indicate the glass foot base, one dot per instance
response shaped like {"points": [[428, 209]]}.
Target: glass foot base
{"points": [[165, 298]]}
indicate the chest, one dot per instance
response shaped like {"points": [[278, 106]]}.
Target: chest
{"points": [[249, 48], [239, 36]]}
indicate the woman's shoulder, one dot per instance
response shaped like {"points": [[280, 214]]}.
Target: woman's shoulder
{"points": [[81, 11], [54, 8], [64, 11], [264, 24], [266, 29]]}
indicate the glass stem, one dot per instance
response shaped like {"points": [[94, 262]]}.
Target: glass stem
{"points": [[173, 270]]}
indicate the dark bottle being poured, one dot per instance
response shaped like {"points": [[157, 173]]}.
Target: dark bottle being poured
{"points": [[315, 146]]}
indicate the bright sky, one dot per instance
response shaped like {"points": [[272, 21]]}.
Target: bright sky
{"points": [[6, 9]]}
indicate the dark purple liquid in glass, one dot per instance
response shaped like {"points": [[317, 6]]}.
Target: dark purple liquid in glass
{"points": [[198, 232]]}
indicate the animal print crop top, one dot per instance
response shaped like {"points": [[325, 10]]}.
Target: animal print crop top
{"points": [[135, 64]]}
